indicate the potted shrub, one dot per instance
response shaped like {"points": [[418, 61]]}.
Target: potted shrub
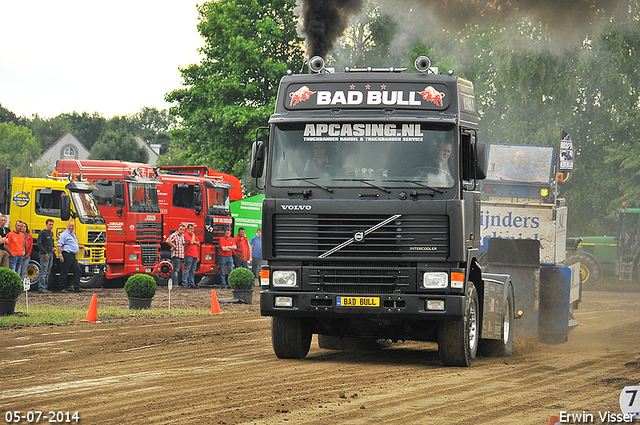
{"points": [[10, 290], [241, 281], [140, 289]]}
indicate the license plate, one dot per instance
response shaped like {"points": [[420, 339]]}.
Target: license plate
{"points": [[358, 301]]}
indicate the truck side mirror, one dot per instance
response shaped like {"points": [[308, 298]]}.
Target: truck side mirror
{"points": [[197, 198], [119, 193], [257, 159], [65, 207], [480, 157]]}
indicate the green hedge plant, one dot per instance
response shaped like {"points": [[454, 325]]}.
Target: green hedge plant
{"points": [[10, 284], [140, 286], [241, 278]]}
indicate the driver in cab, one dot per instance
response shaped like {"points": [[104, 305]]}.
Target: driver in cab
{"points": [[319, 164]]}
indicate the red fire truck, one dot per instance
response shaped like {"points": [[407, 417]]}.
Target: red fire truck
{"points": [[127, 195], [199, 195]]}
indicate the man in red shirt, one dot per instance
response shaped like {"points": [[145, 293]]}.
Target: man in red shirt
{"points": [[227, 246], [242, 252]]}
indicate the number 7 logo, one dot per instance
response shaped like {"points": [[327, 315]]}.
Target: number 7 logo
{"points": [[630, 402]]}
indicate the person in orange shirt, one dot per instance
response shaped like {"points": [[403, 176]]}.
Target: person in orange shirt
{"points": [[227, 247], [191, 255], [28, 250], [243, 252], [15, 243]]}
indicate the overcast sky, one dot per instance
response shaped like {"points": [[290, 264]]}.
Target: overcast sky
{"points": [[111, 57]]}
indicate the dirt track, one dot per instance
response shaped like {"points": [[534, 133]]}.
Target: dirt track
{"points": [[220, 369]]}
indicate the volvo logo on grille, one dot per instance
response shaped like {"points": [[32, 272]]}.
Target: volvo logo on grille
{"points": [[358, 236], [296, 207]]}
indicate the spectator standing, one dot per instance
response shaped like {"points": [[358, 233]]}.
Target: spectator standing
{"points": [[191, 255], [243, 252], [15, 242], [176, 242], [4, 251], [227, 246], [256, 254], [28, 249], [47, 250], [68, 247]]}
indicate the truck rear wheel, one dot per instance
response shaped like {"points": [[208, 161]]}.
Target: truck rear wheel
{"points": [[290, 337], [590, 271], [502, 347], [95, 281], [458, 340]]}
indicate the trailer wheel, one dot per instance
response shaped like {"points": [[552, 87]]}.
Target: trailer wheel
{"points": [[95, 281], [290, 337], [458, 340], [504, 346], [590, 271]]}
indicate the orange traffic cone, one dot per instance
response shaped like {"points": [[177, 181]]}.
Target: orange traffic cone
{"points": [[215, 307], [554, 419], [92, 314]]}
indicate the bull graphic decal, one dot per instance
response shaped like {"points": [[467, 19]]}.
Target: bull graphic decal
{"points": [[300, 95], [432, 95]]}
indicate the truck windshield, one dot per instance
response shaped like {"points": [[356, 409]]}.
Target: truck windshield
{"points": [[363, 155], [86, 207], [143, 197], [218, 201], [520, 163]]}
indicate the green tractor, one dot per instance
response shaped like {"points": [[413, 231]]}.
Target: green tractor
{"points": [[618, 255]]}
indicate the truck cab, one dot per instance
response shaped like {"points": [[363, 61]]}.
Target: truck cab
{"points": [[61, 199], [127, 196], [187, 195], [371, 217]]}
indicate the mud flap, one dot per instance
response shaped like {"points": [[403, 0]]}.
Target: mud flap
{"points": [[520, 259], [555, 289]]}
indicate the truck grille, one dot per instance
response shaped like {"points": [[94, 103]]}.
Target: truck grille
{"points": [[363, 278], [300, 236], [97, 237], [149, 254], [149, 231]]}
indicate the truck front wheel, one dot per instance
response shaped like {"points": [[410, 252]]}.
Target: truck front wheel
{"points": [[290, 337], [94, 281], [458, 340], [502, 347]]}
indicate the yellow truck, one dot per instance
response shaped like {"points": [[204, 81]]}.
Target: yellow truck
{"points": [[34, 200]]}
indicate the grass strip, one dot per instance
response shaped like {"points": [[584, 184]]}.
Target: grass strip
{"points": [[53, 315]]}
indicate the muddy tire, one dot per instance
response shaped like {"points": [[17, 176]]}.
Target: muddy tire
{"points": [[590, 270], [458, 340], [502, 347], [290, 337]]}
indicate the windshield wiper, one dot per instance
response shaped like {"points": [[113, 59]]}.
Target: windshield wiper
{"points": [[416, 182], [308, 180], [365, 181]]}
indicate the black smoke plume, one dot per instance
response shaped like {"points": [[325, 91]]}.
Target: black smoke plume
{"points": [[322, 22]]}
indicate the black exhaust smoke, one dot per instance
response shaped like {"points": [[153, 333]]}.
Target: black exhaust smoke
{"points": [[322, 22]]}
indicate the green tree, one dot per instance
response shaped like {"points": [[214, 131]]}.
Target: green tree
{"points": [[48, 131], [119, 145], [18, 149], [249, 45]]}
